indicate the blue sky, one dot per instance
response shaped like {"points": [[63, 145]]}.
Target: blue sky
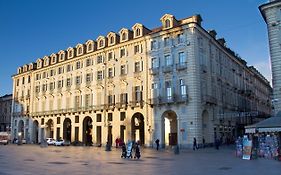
{"points": [[31, 29]]}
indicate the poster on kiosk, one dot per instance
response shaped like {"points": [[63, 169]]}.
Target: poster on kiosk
{"points": [[247, 148]]}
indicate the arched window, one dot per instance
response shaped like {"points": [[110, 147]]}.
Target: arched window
{"points": [[124, 36], [111, 40], [167, 23], [90, 47], [80, 50], [138, 32], [101, 43]]}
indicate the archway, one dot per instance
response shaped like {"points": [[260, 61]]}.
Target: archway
{"points": [[35, 131], [21, 130], [206, 127], [170, 128], [49, 128], [67, 130], [138, 127], [87, 131]]}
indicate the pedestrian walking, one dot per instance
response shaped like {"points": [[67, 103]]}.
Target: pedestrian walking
{"points": [[203, 142], [157, 144], [194, 144]]}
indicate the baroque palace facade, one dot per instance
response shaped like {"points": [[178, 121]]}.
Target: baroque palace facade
{"points": [[174, 83]]}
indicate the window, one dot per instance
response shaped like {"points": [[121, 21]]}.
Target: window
{"points": [[77, 101], [60, 84], [19, 81], [137, 67], [28, 80], [180, 38], [154, 63], [80, 50], [68, 82], [99, 59], [154, 86], [182, 88], [42, 121], [111, 40], [88, 62], [37, 89], [109, 118], [52, 73], [78, 80], [78, 65], [138, 93], [138, 32], [37, 77], [110, 72], [110, 99], [98, 117], [110, 56], [124, 36], [101, 43], [168, 90], [153, 45], [182, 58], [62, 56], [122, 52], [123, 69], [87, 100], [166, 42], [70, 54], [90, 47], [99, 75], [124, 98], [58, 120], [68, 68], [168, 60], [167, 23], [52, 86], [122, 116], [137, 49], [60, 70], [76, 119], [44, 74], [88, 77], [22, 80], [44, 87]]}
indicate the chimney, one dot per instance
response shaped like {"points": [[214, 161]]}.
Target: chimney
{"points": [[213, 33], [221, 41]]}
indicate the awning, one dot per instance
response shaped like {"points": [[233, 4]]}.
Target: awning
{"points": [[250, 130], [269, 129]]}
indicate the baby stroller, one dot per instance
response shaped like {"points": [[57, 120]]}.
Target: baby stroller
{"points": [[129, 150], [124, 151], [137, 152]]}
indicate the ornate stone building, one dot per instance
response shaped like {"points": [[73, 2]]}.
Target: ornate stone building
{"points": [[5, 112], [174, 82]]}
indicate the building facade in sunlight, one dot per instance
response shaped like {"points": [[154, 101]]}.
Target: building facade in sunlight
{"points": [[271, 13], [5, 112], [174, 83]]}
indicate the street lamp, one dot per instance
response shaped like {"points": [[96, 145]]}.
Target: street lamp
{"points": [[19, 138]]}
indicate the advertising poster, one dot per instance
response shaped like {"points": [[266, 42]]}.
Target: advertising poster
{"points": [[247, 149]]}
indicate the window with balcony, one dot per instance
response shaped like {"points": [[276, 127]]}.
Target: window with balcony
{"points": [[168, 60], [110, 99], [168, 86], [88, 100], [77, 101], [138, 93], [60, 84], [182, 88], [44, 87], [154, 63], [137, 49], [123, 70], [109, 117], [98, 117], [124, 98], [182, 58]]}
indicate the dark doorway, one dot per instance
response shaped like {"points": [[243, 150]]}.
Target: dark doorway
{"points": [[138, 128], [87, 131], [99, 135], [122, 132], [109, 136], [67, 130], [35, 131]]}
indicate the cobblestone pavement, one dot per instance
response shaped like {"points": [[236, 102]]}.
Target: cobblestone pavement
{"points": [[32, 159]]}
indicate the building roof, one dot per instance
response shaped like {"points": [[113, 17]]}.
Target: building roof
{"points": [[272, 124], [267, 4]]}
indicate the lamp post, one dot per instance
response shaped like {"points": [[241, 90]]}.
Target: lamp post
{"points": [[150, 130], [19, 138]]}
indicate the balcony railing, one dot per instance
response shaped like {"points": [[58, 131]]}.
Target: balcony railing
{"points": [[167, 69], [154, 71], [121, 105], [181, 66], [136, 103]]}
